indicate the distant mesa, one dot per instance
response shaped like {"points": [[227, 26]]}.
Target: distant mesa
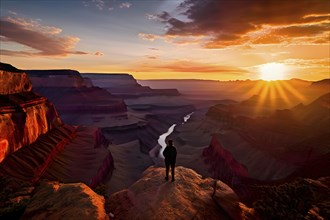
{"points": [[126, 86], [54, 72], [71, 93], [9, 68]]}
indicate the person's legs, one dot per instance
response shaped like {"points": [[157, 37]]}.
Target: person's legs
{"points": [[167, 170], [173, 172]]}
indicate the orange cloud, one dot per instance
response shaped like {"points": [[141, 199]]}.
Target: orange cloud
{"points": [[46, 40], [98, 53], [238, 22], [190, 67]]}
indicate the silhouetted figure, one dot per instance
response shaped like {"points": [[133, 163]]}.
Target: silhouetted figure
{"points": [[170, 159]]}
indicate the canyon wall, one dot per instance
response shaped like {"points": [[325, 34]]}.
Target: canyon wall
{"points": [[24, 115], [77, 100], [35, 144], [273, 147]]}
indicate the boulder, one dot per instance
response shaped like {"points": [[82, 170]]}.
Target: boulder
{"points": [[54, 200], [229, 201]]}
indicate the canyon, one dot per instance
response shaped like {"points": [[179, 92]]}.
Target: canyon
{"points": [[95, 130]]}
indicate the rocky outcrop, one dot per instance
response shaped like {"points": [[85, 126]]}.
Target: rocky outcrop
{"points": [[13, 80], [47, 147], [24, 115], [189, 197], [112, 80], [53, 200], [223, 163], [65, 153]]}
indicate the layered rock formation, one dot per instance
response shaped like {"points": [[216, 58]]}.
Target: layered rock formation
{"points": [[189, 197], [77, 100], [281, 144], [56, 78], [13, 80], [53, 200], [38, 145], [24, 115], [126, 86]]}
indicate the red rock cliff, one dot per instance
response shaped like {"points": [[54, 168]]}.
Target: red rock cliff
{"points": [[24, 115]]}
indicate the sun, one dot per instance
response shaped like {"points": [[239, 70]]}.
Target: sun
{"points": [[272, 71]]}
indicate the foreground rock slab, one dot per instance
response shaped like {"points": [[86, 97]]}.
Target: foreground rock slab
{"points": [[189, 197], [54, 200]]}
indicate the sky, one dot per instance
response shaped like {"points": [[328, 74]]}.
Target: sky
{"points": [[170, 39]]}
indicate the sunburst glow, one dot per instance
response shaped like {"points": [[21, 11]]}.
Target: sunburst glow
{"points": [[272, 71]]}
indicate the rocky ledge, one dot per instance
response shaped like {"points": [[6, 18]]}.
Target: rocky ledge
{"points": [[53, 200], [189, 197]]}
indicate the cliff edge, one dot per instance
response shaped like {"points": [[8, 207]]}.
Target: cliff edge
{"points": [[189, 197]]}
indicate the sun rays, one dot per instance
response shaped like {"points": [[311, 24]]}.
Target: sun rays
{"points": [[275, 95]]}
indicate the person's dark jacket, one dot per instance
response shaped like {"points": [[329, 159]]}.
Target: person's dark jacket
{"points": [[170, 154]]}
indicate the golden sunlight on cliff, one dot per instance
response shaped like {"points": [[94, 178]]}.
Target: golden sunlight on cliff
{"points": [[3, 149]]}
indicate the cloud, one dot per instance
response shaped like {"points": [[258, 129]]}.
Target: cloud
{"points": [[100, 4], [238, 22], [12, 12], [44, 40], [151, 57], [151, 16], [153, 48], [308, 63], [98, 53], [179, 40], [150, 37], [125, 5], [191, 67]]}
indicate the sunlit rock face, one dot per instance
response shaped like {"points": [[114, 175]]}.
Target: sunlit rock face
{"points": [[48, 148], [24, 115], [53, 200], [13, 80], [189, 197], [65, 153]]}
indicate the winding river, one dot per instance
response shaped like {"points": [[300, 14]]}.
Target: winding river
{"points": [[162, 138]]}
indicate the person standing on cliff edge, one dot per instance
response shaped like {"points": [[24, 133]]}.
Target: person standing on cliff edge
{"points": [[170, 159]]}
